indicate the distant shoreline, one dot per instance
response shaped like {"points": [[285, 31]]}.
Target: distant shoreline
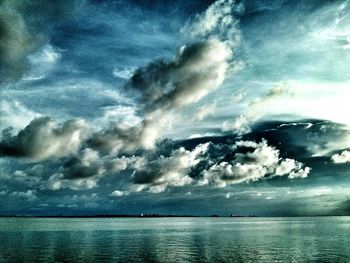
{"points": [[153, 216]]}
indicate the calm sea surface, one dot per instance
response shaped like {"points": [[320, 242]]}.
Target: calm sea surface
{"points": [[325, 239]]}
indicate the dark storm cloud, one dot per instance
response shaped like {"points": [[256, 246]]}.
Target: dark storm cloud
{"points": [[24, 27]]}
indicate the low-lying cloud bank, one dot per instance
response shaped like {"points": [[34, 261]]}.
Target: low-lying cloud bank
{"points": [[70, 160]]}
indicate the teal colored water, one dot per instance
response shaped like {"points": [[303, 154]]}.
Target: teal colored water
{"points": [[323, 239]]}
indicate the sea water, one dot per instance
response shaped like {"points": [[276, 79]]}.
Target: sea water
{"points": [[219, 239]]}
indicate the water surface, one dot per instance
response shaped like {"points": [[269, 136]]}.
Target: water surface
{"points": [[319, 239]]}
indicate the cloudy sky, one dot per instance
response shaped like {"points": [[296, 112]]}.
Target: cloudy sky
{"points": [[175, 107]]}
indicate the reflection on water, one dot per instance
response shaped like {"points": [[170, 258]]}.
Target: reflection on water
{"points": [[325, 239]]}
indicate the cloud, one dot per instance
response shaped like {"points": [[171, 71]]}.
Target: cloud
{"points": [[42, 62], [239, 126], [158, 174], [118, 193], [258, 108], [16, 41], [217, 164], [15, 114], [29, 195], [198, 69], [58, 181], [24, 27], [252, 162], [343, 157], [86, 164], [218, 20], [125, 73], [216, 161], [204, 111], [124, 139], [79, 156], [279, 91], [44, 138], [163, 87], [30, 177]]}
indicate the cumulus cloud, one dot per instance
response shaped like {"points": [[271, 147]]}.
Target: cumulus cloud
{"points": [[124, 139], [44, 138], [86, 164], [158, 174], [168, 165], [58, 182], [216, 164], [89, 164], [252, 162], [198, 69], [343, 157]]}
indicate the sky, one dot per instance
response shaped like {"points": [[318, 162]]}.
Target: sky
{"points": [[175, 107]]}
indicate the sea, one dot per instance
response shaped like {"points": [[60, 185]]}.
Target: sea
{"points": [[191, 239]]}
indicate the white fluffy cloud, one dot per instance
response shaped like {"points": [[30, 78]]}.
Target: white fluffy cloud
{"points": [[259, 162], [157, 175], [343, 157]]}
